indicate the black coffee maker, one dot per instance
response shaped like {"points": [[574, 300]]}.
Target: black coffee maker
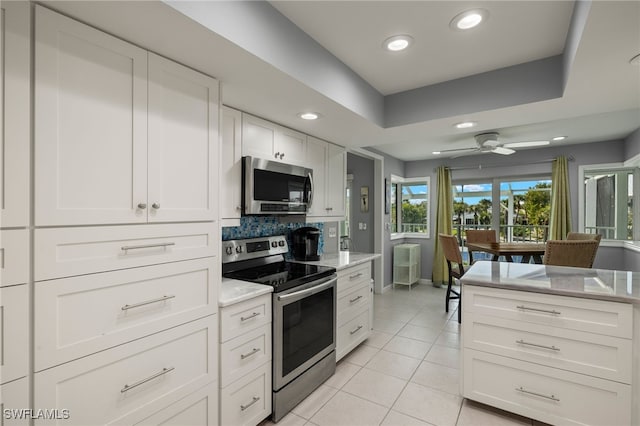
{"points": [[306, 242]]}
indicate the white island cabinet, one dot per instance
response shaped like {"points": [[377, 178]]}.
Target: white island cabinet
{"points": [[560, 345]]}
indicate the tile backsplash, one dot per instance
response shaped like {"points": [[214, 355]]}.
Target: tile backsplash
{"points": [[263, 226]]}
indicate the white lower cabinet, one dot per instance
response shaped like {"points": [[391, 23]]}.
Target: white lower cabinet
{"points": [[14, 332], [245, 362], [14, 257], [128, 383], [14, 400], [354, 308]]}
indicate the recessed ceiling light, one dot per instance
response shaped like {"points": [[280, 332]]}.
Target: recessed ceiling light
{"points": [[559, 138], [309, 115], [525, 144], [465, 124], [635, 60], [436, 152], [468, 19], [398, 43]]}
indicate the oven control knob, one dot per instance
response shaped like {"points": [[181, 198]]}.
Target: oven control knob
{"points": [[239, 249], [229, 250], [274, 244], [281, 243]]}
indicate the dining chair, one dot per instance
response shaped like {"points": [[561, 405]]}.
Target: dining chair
{"points": [[578, 253], [452, 255], [479, 236], [580, 236]]}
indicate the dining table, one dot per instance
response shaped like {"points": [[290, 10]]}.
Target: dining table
{"points": [[527, 250]]}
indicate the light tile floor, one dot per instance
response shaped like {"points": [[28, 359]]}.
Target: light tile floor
{"points": [[405, 374]]}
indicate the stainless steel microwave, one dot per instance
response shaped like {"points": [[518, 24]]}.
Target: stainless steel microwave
{"points": [[270, 187]]}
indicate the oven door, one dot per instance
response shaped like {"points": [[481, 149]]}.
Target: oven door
{"points": [[304, 328]]}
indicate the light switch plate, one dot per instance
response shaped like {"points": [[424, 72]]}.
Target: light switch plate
{"points": [[332, 232]]}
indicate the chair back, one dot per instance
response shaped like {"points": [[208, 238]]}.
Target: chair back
{"points": [[578, 253], [580, 236], [481, 236], [450, 248]]}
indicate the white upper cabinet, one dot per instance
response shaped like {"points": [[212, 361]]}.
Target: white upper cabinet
{"points": [[336, 180], [263, 139], [15, 115], [329, 164], [231, 164], [183, 143], [114, 144], [317, 161]]}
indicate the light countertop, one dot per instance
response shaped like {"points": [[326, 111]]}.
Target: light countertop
{"points": [[602, 284], [343, 259], [236, 291]]}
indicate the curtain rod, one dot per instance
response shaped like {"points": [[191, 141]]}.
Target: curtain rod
{"points": [[480, 166]]}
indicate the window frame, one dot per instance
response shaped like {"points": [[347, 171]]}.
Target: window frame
{"points": [[395, 180]]}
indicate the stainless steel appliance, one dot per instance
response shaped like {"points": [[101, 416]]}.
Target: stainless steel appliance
{"points": [[270, 187], [304, 315], [306, 243]]}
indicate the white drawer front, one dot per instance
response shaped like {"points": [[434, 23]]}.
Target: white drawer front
{"points": [[14, 396], [547, 394], [124, 384], [594, 316], [244, 316], [352, 333], [247, 401], [354, 276], [14, 332], [244, 353], [198, 409], [65, 252], [80, 315], [350, 303], [588, 353], [14, 257]]}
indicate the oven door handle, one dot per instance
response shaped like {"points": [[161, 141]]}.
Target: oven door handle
{"points": [[308, 291]]}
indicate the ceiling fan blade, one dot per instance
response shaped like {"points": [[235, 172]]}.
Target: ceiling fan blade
{"points": [[442, 151], [502, 150]]}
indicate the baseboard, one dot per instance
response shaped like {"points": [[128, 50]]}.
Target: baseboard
{"points": [[424, 281]]}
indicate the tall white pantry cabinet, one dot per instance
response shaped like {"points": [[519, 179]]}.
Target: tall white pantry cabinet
{"points": [[124, 270]]}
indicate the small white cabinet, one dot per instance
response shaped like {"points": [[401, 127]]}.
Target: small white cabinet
{"points": [[329, 165], [231, 166], [406, 264], [270, 141]]}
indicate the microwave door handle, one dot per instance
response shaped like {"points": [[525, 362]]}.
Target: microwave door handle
{"points": [[310, 200]]}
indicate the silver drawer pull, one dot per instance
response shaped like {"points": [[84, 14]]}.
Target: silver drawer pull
{"points": [[148, 302], [356, 299], [526, 308], [253, 351], [253, 315], [253, 401], [143, 381], [145, 246], [329, 209], [353, 277], [522, 342], [552, 397], [356, 330]]}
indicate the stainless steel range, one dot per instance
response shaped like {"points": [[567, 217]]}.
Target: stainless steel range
{"points": [[304, 315]]}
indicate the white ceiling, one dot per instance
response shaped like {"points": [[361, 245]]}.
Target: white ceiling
{"points": [[271, 68]]}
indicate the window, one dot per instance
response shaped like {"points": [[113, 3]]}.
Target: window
{"points": [[409, 207]]}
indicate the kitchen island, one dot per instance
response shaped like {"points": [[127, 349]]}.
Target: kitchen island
{"points": [[556, 344]]}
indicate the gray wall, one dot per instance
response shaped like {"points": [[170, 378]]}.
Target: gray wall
{"points": [[362, 170], [632, 145]]}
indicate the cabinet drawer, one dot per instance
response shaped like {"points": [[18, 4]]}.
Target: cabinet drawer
{"points": [[14, 257], [124, 384], [247, 401], [80, 315], [198, 409], [64, 252], [244, 316], [352, 333], [594, 316], [14, 332], [354, 276], [15, 396], [593, 354], [547, 394], [244, 353], [350, 303]]}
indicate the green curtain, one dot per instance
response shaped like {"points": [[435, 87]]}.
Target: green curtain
{"points": [[560, 217], [444, 215]]}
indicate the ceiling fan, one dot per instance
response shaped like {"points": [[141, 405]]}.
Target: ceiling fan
{"points": [[488, 142]]}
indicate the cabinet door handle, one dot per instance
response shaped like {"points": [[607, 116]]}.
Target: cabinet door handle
{"points": [[148, 302], [329, 209], [282, 156], [253, 401], [146, 246], [353, 277], [255, 314], [551, 397], [522, 342], [546, 311], [277, 154], [253, 351], [155, 206], [356, 330], [142, 206], [356, 299], [143, 381]]}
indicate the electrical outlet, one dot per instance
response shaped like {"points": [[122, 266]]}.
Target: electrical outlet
{"points": [[364, 226], [332, 232]]}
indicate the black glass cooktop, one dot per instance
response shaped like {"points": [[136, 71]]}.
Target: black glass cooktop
{"points": [[282, 275]]}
